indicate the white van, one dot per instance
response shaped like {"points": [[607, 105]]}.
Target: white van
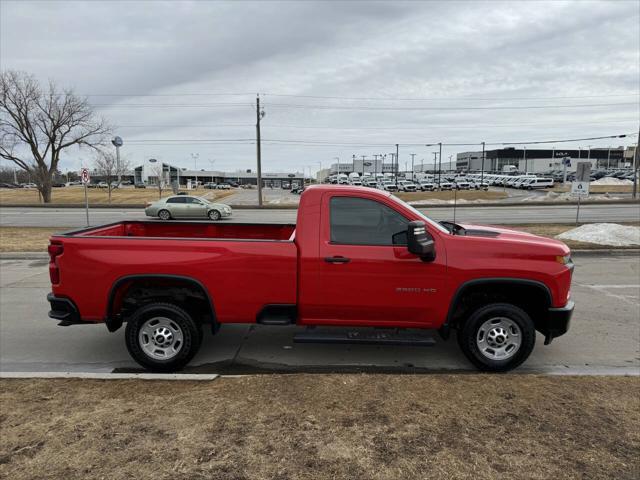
{"points": [[541, 182]]}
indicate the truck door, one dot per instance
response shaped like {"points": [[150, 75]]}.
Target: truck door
{"points": [[366, 273]]}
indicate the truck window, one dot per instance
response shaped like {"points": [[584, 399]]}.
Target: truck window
{"points": [[358, 221]]}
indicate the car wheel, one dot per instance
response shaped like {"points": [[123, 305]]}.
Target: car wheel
{"points": [[162, 337], [164, 215], [214, 215], [497, 337]]}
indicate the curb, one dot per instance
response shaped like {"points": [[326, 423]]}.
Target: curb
{"points": [[111, 376], [24, 256], [624, 252]]}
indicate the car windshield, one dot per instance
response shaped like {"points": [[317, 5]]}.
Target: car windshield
{"points": [[420, 214]]}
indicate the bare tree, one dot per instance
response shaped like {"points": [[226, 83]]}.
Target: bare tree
{"points": [[37, 124], [158, 171], [107, 166]]}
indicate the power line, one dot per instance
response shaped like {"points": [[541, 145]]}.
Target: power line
{"points": [[329, 97], [418, 99], [408, 127], [502, 107], [357, 144]]}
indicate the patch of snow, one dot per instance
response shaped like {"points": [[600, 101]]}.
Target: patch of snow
{"points": [[611, 181], [604, 234]]}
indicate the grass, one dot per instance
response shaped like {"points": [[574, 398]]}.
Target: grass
{"points": [[322, 426], [27, 239], [449, 195], [75, 195], [36, 239]]}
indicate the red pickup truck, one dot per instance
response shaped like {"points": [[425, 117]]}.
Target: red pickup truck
{"points": [[357, 257]]}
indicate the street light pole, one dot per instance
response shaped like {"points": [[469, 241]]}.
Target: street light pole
{"points": [[397, 160], [439, 163], [195, 156], [259, 117], [412, 166], [482, 171]]}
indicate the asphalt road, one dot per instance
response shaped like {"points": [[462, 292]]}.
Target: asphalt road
{"points": [[75, 217], [604, 335]]}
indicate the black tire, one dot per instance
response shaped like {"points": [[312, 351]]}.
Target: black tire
{"points": [[469, 333], [190, 331], [214, 215], [164, 214]]}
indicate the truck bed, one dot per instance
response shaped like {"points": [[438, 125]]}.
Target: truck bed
{"points": [[186, 229], [243, 267]]}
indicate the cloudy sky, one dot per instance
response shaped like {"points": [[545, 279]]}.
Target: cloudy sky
{"points": [[336, 78]]}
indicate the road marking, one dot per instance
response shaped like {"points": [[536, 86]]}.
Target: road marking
{"points": [[604, 290]]}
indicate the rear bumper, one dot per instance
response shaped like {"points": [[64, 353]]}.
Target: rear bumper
{"points": [[557, 322], [63, 309]]}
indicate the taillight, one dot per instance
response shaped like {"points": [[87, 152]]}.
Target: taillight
{"points": [[54, 250]]}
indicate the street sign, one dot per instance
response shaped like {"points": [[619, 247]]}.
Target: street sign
{"points": [[580, 189], [583, 172], [84, 175]]}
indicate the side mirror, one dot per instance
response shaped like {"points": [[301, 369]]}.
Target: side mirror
{"points": [[419, 242]]}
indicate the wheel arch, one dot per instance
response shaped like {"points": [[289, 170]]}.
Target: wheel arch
{"points": [[540, 300], [123, 284]]}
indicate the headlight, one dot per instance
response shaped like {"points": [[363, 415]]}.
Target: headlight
{"points": [[564, 259]]}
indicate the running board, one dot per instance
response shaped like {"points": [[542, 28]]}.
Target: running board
{"points": [[374, 337]]}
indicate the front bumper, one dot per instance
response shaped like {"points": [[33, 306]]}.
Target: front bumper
{"points": [[556, 323], [225, 213], [64, 310]]}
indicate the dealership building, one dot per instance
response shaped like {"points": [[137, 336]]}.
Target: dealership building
{"points": [[539, 160], [149, 172]]}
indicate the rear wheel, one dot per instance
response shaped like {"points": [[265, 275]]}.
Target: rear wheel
{"points": [[214, 215], [162, 337], [497, 337], [164, 215]]}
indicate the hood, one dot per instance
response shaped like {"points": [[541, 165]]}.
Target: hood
{"points": [[510, 235]]}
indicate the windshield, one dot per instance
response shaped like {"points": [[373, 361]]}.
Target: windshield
{"points": [[420, 214]]}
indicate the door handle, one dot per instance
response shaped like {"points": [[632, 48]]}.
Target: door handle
{"points": [[337, 259]]}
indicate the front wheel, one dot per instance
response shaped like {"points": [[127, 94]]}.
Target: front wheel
{"points": [[214, 215], [497, 337], [162, 337]]}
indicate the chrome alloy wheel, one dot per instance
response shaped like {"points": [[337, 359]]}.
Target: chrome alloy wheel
{"points": [[160, 338], [499, 338]]}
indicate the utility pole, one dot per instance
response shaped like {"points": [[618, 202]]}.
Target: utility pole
{"points": [[397, 151], [259, 116], [608, 156], [375, 166], [412, 157], [363, 157], [482, 171]]}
